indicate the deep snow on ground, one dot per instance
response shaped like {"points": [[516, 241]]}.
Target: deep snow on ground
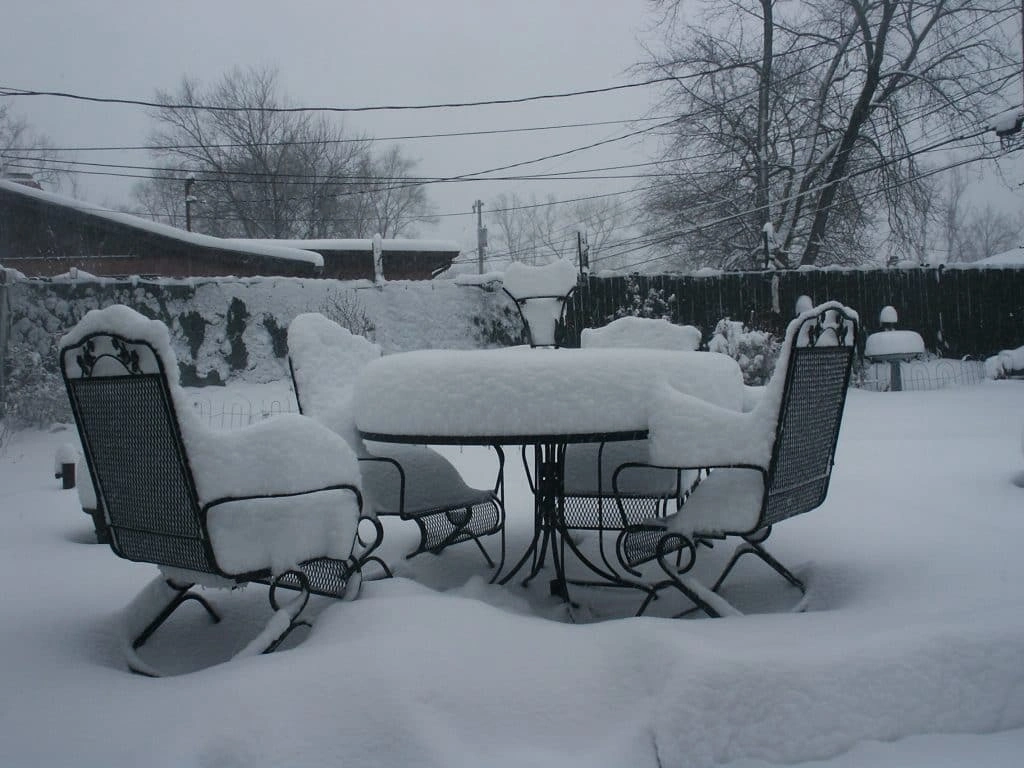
{"points": [[910, 652]]}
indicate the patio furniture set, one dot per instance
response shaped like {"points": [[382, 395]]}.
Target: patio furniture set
{"points": [[637, 448]]}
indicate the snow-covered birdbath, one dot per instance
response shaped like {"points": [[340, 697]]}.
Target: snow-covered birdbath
{"points": [[540, 294], [893, 347]]}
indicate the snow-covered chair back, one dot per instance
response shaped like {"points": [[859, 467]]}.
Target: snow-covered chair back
{"points": [[540, 294], [766, 464], [276, 502], [120, 395], [821, 345], [644, 332], [324, 359], [414, 482]]}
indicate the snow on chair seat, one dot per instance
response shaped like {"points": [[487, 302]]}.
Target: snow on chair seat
{"points": [[410, 482], [646, 332], [766, 464], [277, 502]]}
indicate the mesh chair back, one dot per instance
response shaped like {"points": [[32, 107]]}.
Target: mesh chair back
{"points": [[132, 444], [813, 399]]}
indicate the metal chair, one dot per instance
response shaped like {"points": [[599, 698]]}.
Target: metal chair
{"points": [[277, 502], [765, 465], [646, 492], [410, 482]]}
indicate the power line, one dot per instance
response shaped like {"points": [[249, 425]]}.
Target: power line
{"points": [[238, 145], [13, 91]]}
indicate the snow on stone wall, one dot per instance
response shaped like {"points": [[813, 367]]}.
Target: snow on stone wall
{"points": [[235, 328]]}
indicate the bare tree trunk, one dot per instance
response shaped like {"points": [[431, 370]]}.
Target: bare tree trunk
{"points": [[762, 201]]}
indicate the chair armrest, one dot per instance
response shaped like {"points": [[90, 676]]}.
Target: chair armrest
{"points": [[284, 454], [275, 532], [499, 480], [752, 396], [372, 502], [685, 431]]}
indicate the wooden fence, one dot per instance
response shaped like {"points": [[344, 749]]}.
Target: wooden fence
{"points": [[959, 311]]}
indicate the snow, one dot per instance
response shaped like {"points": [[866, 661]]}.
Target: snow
{"points": [[290, 454], [389, 245], [1007, 122], [1006, 363], [262, 247], [554, 279], [326, 360], [642, 332], [742, 435], [908, 654], [883, 343], [1011, 258], [522, 391]]}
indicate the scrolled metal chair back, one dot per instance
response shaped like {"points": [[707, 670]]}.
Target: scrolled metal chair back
{"points": [[131, 438], [817, 378]]}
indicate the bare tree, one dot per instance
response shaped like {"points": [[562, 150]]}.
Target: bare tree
{"points": [[264, 171], [25, 150], [393, 201], [535, 231], [512, 233], [810, 117], [991, 231]]}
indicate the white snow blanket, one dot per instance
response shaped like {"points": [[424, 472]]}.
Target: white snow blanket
{"points": [[287, 454], [509, 393]]}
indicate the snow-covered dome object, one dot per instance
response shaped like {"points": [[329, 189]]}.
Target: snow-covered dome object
{"points": [[888, 316]]}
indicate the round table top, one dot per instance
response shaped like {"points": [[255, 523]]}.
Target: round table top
{"points": [[521, 395]]}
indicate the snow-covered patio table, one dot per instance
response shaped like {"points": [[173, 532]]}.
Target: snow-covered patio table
{"points": [[545, 398]]}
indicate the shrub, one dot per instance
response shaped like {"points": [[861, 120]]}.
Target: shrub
{"points": [[34, 393], [755, 351], [653, 305], [344, 307]]}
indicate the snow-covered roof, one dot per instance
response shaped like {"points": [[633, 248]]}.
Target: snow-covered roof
{"points": [[258, 247], [360, 244], [1007, 258]]}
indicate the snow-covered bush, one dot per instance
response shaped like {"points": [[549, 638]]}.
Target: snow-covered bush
{"points": [[1007, 363], [34, 393], [343, 306], [499, 326], [755, 351], [654, 304]]}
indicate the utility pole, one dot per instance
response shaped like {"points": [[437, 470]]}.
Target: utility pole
{"points": [[189, 199], [481, 235], [582, 253]]}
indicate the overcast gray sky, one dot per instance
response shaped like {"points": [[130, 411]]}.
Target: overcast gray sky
{"points": [[350, 53]]}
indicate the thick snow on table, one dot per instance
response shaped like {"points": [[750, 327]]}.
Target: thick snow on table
{"points": [[520, 391]]}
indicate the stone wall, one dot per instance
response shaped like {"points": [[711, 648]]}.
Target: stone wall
{"points": [[226, 328]]}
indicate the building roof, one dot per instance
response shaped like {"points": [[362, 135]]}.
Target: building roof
{"points": [[269, 248]]}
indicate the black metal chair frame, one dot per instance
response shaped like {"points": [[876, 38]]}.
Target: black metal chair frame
{"points": [[520, 302], [791, 487], [167, 525], [443, 526]]}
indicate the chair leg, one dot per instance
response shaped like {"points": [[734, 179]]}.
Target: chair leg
{"points": [[285, 619], [754, 548], [705, 599], [150, 609]]}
